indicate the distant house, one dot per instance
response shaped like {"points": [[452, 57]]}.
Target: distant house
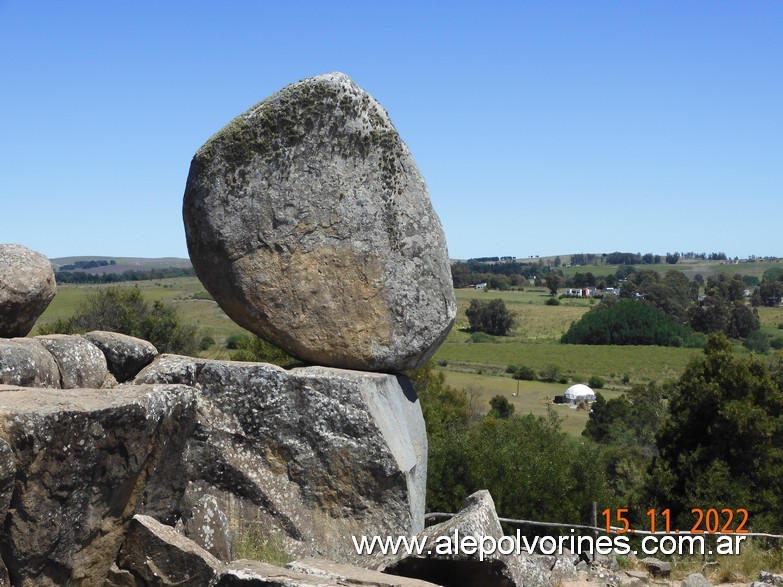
{"points": [[481, 286], [579, 292], [612, 291]]}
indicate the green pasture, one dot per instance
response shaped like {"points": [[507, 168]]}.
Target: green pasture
{"points": [[536, 322], [640, 363], [690, 267], [534, 397]]}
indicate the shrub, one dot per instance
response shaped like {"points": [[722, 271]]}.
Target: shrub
{"points": [[596, 382], [124, 310], [525, 373], [626, 378], [552, 302], [481, 337], [551, 373], [206, 342], [234, 341], [777, 343]]}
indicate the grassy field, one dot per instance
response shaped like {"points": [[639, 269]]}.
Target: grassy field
{"points": [[690, 267], [534, 397]]}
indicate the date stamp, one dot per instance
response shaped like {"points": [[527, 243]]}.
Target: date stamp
{"points": [[709, 521]]}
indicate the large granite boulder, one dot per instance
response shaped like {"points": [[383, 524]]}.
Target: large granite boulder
{"points": [[80, 362], [125, 355], [27, 363], [77, 464], [26, 287], [308, 221], [308, 457]]}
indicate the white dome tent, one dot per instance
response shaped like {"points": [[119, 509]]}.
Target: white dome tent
{"points": [[578, 393]]}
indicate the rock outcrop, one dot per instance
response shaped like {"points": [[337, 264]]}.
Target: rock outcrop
{"points": [[77, 465], [26, 287], [26, 362], [125, 355], [311, 456], [477, 518], [81, 363], [309, 223]]}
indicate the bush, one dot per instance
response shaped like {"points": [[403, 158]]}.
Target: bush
{"points": [[626, 322], [551, 373], [234, 341], [525, 373], [552, 302], [481, 337], [124, 310], [206, 343], [596, 382], [777, 343], [626, 378]]}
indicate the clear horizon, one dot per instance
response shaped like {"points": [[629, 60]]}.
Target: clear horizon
{"points": [[539, 127]]}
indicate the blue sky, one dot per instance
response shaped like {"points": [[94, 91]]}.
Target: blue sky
{"points": [[541, 128]]}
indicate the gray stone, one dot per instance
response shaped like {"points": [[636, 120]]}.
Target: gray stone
{"points": [[695, 580], [351, 575], [26, 287], [457, 567], [162, 556], [657, 568], [249, 573], [563, 570], [312, 456], [125, 355], [771, 578], [207, 526], [86, 461], [26, 362], [81, 363], [309, 223]]}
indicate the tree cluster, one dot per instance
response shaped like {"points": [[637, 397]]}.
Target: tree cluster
{"points": [[129, 275], [625, 322], [491, 317]]}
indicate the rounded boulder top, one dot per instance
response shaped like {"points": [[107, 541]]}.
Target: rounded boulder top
{"points": [[308, 221], [26, 287]]}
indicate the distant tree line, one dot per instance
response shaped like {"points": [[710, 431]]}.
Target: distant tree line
{"points": [[82, 265], [129, 275]]}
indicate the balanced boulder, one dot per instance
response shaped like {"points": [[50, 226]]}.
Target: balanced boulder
{"points": [[26, 287], [309, 223]]}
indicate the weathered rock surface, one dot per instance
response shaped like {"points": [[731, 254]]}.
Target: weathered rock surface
{"points": [[85, 461], [695, 580], [162, 556], [308, 221], [80, 362], [456, 568], [26, 287], [125, 355], [311, 456], [657, 568], [207, 525], [351, 575], [26, 362]]}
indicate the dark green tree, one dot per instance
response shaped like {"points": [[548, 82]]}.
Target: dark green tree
{"points": [[721, 443], [491, 317], [501, 407]]}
